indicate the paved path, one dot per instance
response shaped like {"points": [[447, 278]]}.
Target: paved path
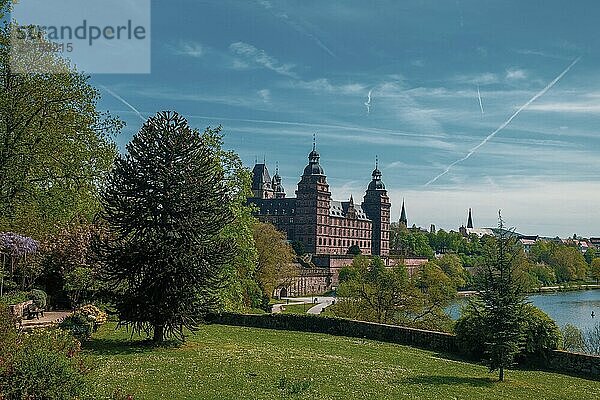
{"points": [[49, 318], [318, 302]]}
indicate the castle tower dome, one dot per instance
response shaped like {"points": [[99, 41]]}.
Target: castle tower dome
{"points": [[313, 167], [277, 186], [376, 182]]}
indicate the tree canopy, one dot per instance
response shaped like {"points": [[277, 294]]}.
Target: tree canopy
{"points": [[166, 205]]}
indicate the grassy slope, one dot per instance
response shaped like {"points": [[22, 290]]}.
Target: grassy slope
{"points": [[222, 362]]}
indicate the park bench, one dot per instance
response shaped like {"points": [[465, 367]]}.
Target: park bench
{"points": [[31, 310]]}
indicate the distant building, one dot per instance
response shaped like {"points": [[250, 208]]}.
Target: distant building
{"points": [[323, 225]]}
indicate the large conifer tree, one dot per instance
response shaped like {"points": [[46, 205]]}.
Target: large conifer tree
{"points": [[165, 205], [503, 300]]}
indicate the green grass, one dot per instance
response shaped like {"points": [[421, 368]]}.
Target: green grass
{"points": [[223, 362], [296, 308]]}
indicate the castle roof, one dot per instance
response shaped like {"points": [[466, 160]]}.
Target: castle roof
{"points": [[260, 176], [340, 209]]}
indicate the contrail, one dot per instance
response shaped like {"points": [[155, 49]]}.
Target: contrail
{"points": [[508, 121], [122, 100], [368, 103], [479, 97]]}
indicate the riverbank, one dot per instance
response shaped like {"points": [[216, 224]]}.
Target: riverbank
{"points": [[569, 287]]}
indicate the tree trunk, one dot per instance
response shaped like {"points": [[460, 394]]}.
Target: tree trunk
{"points": [[159, 333], [501, 377]]}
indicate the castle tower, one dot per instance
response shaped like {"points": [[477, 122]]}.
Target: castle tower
{"points": [[261, 182], [470, 220], [377, 207], [403, 221], [278, 189], [313, 200]]}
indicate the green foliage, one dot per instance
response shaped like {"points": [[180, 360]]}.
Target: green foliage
{"points": [[239, 287], [537, 331], [590, 254], [79, 325], [595, 269], [292, 387], [39, 298], [540, 331], [567, 262], [55, 147], [166, 205], [502, 299], [14, 297], [45, 364], [572, 339], [70, 267], [371, 292], [275, 257], [409, 243]]}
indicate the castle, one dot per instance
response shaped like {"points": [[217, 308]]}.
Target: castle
{"points": [[324, 226]]}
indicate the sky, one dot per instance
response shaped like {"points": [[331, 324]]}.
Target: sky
{"points": [[473, 104]]}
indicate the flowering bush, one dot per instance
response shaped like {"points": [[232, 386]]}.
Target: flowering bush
{"points": [[84, 321]]}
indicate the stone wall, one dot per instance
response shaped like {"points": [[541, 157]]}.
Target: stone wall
{"points": [[575, 363], [343, 327]]}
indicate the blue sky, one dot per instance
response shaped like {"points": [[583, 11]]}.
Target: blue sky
{"points": [[275, 72]]}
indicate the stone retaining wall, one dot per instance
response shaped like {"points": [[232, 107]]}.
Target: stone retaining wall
{"points": [[437, 341], [575, 363]]}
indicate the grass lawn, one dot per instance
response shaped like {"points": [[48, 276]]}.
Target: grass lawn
{"points": [[223, 362], [296, 308]]}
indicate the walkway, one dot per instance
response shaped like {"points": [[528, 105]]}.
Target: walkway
{"points": [[50, 318], [319, 303]]}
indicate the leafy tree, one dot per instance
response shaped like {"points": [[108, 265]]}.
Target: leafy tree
{"points": [[69, 264], [595, 269], [55, 147], [452, 266], [275, 257], [572, 339], [590, 254], [240, 287], [165, 206], [502, 299], [409, 243]]}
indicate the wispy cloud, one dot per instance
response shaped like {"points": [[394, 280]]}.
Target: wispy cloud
{"points": [[265, 95], [485, 78], [259, 57], [505, 123], [580, 107], [515, 74], [323, 85], [190, 49]]}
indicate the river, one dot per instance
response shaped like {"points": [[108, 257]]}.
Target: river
{"points": [[573, 307]]}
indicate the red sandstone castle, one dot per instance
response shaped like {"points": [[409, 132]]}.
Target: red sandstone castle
{"points": [[323, 225]]}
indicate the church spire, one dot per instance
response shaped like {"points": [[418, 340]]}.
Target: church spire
{"points": [[403, 219], [470, 220]]}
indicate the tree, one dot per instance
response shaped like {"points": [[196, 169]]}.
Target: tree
{"points": [[275, 257], [590, 254], [502, 299], [165, 206], [595, 269], [240, 287], [55, 147]]}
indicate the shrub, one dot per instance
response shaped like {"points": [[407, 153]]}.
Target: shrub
{"points": [[471, 332], [39, 298], [83, 322], [572, 339], [78, 325], [45, 366], [14, 297], [539, 331]]}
